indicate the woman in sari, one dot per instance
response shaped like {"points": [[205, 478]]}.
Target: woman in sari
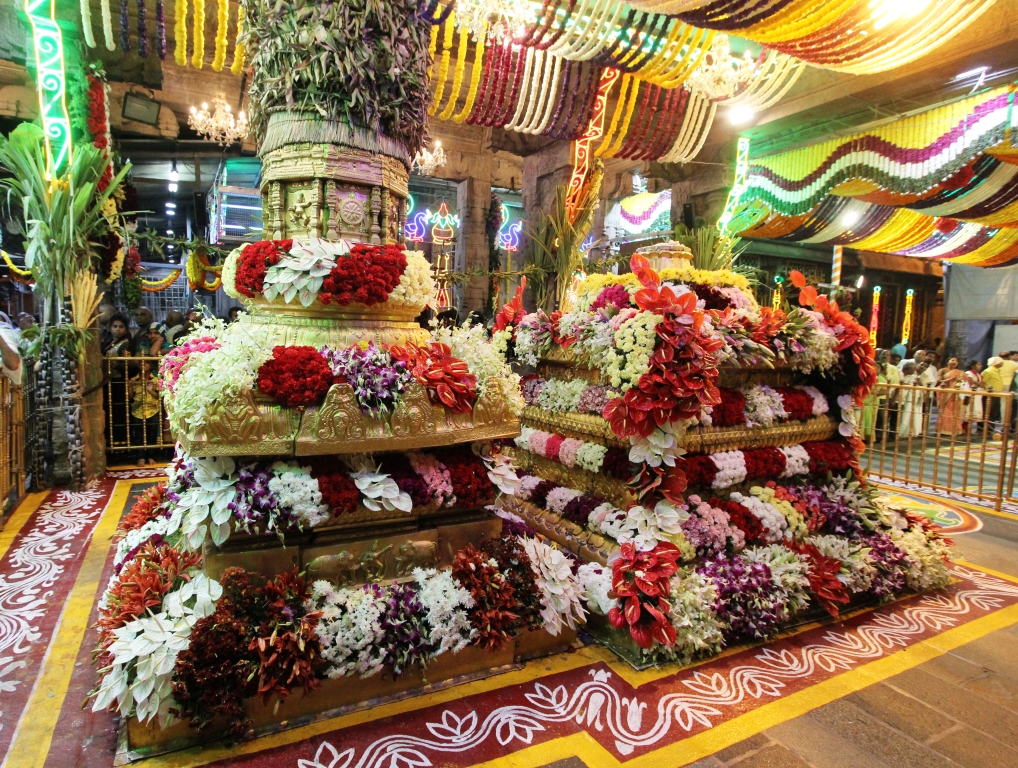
{"points": [[873, 403], [973, 382], [949, 405]]}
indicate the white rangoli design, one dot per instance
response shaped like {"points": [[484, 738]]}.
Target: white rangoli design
{"points": [[34, 566], [597, 703]]}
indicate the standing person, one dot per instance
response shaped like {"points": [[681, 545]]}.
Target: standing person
{"points": [[146, 423], [1007, 372], [144, 318], [893, 380], [231, 314], [993, 382], [106, 312], [973, 382], [917, 357], [174, 325], [151, 343], [115, 394], [910, 421], [900, 350], [949, 418], [872, 405]]}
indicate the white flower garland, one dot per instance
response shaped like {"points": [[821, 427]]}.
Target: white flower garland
{"points": [[298, 491], [470, 344], [596, 583], [349, 629], [229, 273], [773, 522], [447, 603], [731, 468], [796, 460], [416, 288], [560, 396], [633, 344], [764, 406], [820, 406]]}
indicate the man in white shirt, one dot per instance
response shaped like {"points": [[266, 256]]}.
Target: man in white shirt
{"points": [[918, 357]]}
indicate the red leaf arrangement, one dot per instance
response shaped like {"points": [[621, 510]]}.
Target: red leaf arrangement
{"points": [[511, 311], [148, 507], [447, 378], [823, 576], [494, 614], [295, 376], [641, 580], [142, 584]]}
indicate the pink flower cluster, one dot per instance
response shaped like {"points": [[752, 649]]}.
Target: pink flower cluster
{"points": [[434, 473], [709, 529], [173, 363]]}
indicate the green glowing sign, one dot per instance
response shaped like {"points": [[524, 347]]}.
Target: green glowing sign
{"points": [[51, 82]]}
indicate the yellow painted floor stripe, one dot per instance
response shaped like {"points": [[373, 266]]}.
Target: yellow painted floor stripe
{"points": [[18, 518], [35, 729], [768, 715]]}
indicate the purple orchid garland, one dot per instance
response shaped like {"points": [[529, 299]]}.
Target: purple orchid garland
{"points": [[749, 604], [142, 30], [404, 627], [160, 30], [125, 32], [378, 381]]}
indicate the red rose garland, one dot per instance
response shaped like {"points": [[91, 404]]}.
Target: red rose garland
{"points": [[295, 376], [253, 263], [741, 518], [731, 411], [699, 469], [337, 487], [829, 456], [98, 125], [797, 402], [763, 463], [367, 276], [470, 482]]}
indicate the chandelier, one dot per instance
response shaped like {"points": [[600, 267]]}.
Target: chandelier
{"points": [[427, 161], [719, 74], [500, 20], [219, 126]]}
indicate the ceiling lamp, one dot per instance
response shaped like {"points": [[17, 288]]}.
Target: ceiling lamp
{"points": [[219, 126], [719, 74], [426, 162], [500, 20]]}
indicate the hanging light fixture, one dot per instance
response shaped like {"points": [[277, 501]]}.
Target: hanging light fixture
{"points": [[719, 74], [219, 126], [499, 20], [427, 161]]}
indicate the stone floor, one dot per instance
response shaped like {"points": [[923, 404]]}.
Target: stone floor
{"points": [[960, 709]]}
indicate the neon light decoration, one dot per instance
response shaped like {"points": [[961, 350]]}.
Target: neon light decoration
{"points": [[587, 244], [416, 226], [443, 224], [739, 185], [906, 326], [776, 298], [875, 315], [581, 147], [49, 62], [509, 234]]}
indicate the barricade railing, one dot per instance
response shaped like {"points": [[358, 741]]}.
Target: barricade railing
{"points": [[135, 417], [12, 440], [948, 438]]}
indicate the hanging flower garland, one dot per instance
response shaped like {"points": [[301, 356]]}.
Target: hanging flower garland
{"points": [[161, 30], [155, 286], [222, 27], [239, 47], [180, 32], [142, 30], [198, 52]]}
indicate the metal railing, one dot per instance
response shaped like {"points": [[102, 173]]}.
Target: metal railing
{"points": [[947, 438], [135, 417], [12, 440]]}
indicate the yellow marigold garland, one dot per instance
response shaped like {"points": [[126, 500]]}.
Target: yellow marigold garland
{"points": [[432, 45], [630, 107], [475, 77], [222, 27], [154, 286], [198, 53], [594, 284], [457, 79], [443, 69], [15, 269], [180, 32], [239, 49]]}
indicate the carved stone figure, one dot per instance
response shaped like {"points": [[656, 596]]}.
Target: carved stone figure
{"points": [[373, 564], [341, 569], [416, 554]]}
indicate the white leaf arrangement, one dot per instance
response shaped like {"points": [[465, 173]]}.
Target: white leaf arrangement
{"points": [[145, 652], [205, 507], [378, 490], [300, 273]]}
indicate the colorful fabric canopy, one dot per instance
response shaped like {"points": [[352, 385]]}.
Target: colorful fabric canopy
{"points": [[940, 184]]}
